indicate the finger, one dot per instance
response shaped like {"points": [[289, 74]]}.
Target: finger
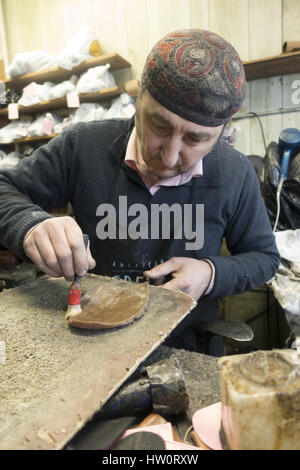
{"points": [[40, 250], [62, 251], [80, 254], [162, 269], [91, 261], [35, 256]]}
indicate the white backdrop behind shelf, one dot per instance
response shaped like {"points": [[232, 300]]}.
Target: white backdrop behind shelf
{"points": [[257, 29]]}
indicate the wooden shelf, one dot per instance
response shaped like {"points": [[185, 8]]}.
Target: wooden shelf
{"points": [[58, 74], [283, 64], [25, 140], [59, 103]]}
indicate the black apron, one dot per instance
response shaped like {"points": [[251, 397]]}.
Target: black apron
{"points": [[127, 259]]}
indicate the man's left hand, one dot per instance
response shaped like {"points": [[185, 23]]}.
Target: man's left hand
{"points": [[190, 275]]}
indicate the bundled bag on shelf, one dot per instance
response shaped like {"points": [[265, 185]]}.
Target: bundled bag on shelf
{"points": [[286, 282], [82, 46], [66, 122], [14, 131], [35, 93], [43, 125], [89, 112], [96, 79], [123, 106], [61, 89], [9, 161], [27, 62]]}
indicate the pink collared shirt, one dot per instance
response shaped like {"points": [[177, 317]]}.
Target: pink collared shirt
{"points": [[134, 161]]}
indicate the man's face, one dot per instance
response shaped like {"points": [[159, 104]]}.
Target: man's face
{"points": [[168, 144]]}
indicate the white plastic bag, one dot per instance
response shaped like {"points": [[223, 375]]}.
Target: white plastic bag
{"points": [[82, 46], [96, 79], [10, 160], [26, 62], [61, 89], [123, 106], [43, 125], [61, 126], [89, 112], [13, 131], [35, 93]]}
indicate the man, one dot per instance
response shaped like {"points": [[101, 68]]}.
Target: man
{"points": [[156, 194]]}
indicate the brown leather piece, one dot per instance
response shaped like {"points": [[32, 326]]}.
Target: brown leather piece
{"points": [[111, 305]]}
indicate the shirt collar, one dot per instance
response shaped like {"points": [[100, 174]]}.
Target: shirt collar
{"points": [[133, 160]]}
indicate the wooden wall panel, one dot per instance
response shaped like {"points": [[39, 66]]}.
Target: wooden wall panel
{"points": [[137, 34], [265, 22], [165, 16], [199, 14], [291, 20], [229, 18]]}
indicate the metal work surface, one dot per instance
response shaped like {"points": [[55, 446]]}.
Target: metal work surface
{"points": [[54, 377]]}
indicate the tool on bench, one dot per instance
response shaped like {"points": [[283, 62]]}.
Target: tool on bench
{"points": [[233, 329]]}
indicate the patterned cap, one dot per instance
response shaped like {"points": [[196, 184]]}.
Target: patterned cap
{"points": [[197, 75]]}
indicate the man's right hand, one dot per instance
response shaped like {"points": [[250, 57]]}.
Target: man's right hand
{"points": [[56, 246]]}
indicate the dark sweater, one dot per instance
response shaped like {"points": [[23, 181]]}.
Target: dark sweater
{"points": [[85, 166]]}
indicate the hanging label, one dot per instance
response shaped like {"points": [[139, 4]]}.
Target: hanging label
{"points": [[48, 125], [73, 99], [13, 111], [31, 90]]}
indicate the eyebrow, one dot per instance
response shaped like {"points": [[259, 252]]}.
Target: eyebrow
{"points": [[197, 135]]}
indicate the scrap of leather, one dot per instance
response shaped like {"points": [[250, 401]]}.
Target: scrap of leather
{"points": [[111, 305]]}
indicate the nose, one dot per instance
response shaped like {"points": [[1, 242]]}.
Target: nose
{"points": [[171, 153]]}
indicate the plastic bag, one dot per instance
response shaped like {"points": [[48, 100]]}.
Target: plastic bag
{"points": [[10, 160], [82, 46], [43, 125], [123, 106], [35, 93], [61, 89], [89, 112], [13, 131], [26, 62], [289, 217], [59, 127], [286, 282], [95, 79]]}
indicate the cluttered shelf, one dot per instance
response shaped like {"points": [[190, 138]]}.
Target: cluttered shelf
{"points": [[57, 74], [44, 106]]}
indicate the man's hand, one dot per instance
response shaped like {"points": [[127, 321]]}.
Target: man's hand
{"points": [[56, 246], [190, 275]]}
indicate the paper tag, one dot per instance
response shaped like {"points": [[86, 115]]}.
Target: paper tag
{"points": [[73, 99], [48, 125], [31, 90], [13, 111]]}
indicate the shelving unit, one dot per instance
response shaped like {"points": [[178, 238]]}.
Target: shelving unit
{"points": [[58, 75], [60, 103], [283, 64]]}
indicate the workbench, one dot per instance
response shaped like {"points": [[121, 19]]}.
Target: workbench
{"points": [[55, 378]]}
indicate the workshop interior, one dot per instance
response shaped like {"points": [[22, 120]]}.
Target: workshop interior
{"points": [[73, 379]]}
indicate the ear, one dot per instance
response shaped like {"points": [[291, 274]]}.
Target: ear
{"points": [[138, 79]]}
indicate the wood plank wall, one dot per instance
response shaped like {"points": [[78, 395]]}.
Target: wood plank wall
{"points": [[256, 28]]}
